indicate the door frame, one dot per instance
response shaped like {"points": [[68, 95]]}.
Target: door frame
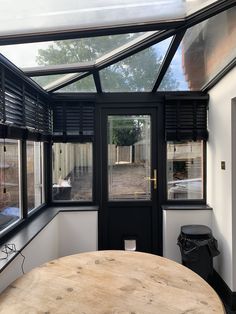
{"points": [[157, 162]]}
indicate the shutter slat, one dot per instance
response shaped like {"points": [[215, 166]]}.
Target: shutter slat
{"points": [[186, 119], [73, 119]]}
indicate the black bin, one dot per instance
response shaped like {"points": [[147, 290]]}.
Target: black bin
{"points": [[198, 247]]}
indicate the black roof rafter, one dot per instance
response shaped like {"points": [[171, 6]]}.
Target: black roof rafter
{"points": [[97, 81], [168, 58]]}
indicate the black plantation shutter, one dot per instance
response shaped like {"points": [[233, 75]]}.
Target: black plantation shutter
{"points": [[73, 118], [186, 119], [24, 111]]}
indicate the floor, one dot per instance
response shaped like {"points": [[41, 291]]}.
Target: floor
{"points": [[228, 311]]}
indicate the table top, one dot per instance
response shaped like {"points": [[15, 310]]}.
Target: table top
{"points": [[110, 282]]}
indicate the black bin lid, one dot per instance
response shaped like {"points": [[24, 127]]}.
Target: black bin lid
{"points": [[196, 231]]}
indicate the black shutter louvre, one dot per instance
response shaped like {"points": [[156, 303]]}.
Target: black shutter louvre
{"points": [[13, 101], [22, 107], [186, 119], [73, 119], [2, 106]]}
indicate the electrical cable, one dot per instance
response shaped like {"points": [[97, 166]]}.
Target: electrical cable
{"points": [[11, 248]]}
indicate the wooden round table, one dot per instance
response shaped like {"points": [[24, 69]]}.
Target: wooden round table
{"points": [[110, 282]]}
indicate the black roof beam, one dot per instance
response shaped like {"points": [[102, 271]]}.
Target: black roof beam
{"points": [[97, 81], [168, 58]]}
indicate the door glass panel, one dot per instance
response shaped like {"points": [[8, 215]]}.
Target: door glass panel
{"points": [[129, 163]]}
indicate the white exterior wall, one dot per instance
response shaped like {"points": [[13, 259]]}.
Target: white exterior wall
{"points": [[172, 222], [220, 191]]}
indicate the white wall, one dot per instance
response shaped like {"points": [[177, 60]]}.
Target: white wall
{"points": [[78, 232], [42, 248], [68, 233], [172, 222], [219, 182]]}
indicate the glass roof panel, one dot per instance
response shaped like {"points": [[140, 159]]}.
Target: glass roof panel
{"points": [[135, 73], [205, 50], [64, 51], [27, 16], [174, 79], [43, 81], [85, 85]]}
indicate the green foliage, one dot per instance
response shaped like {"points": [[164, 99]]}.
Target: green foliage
{"points": [[126, 132], [136, 73]]}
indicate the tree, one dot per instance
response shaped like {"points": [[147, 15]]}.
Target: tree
{"points": [[136, 73], [126, 132]]}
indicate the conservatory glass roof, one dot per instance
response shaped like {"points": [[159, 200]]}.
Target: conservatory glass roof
{"points": [[120, 46], [24, 17]]}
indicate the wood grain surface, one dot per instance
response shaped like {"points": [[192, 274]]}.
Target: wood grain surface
{"points": [[110, 282]]}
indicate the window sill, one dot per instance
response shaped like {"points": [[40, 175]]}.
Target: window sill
{"points": [[186, 207]]}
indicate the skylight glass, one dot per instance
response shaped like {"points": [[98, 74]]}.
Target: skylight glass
{"points": [[206, 49], [45, 80], [26, 16], [64, 51], [85, 85], [135, 73]]}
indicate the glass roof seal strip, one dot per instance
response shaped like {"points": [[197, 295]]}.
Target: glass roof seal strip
{"points": [[59, 69]]}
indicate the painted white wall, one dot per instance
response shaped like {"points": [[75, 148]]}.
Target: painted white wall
{"points": [[68, 233], [219, 182], [78, 232], [42, 248], [172, 222], [233, 121]]}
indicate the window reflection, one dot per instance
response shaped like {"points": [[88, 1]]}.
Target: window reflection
{"points": [[72, 171], [9, 183], [185, 170], [35, 193]]}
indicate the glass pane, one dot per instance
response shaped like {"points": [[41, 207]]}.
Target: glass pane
{"points": [[205, 50], [129, 157], [64, 51], [9, 183], [72, 171], [84, 85], [35, 193], [185, 170], [136, 73], [43, 81], [52, 15], [175, 79]]}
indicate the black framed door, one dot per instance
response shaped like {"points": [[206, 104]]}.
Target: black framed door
{"points": [[130, 213]]}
